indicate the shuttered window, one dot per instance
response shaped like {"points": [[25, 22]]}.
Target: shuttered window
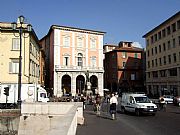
{"points": [[15, 44], [14, 66]]}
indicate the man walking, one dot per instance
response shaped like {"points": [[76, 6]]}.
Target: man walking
{"points": [[113, 104]]}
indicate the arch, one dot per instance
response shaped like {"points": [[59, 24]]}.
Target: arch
{"points": [[66, 84], [80, 84], [94, 83]]}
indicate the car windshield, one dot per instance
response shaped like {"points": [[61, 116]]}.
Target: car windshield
{"points": [[142, 100]]}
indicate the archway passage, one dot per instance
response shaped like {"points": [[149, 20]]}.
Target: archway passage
{"points": [[80, 84], [66, 84], [94, 84]]}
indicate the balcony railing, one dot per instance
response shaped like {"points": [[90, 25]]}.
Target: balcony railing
{"points": [[76, 68], [130, 67]]}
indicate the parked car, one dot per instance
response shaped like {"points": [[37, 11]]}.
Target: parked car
{"points": [[176, 100], [168, 98]]}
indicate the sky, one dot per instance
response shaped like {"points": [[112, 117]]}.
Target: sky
{"points": [[122, 20]]}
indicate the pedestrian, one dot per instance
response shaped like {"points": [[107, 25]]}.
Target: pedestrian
{"points": [[98, 104], [113, 104], [83, 100], [108, 98], [162, 103]]}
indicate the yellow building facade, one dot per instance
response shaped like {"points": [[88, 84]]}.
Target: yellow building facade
{"points": [[163, 58], [9, 56]]}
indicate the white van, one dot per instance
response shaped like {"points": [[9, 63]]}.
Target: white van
{"points": [[137, 103]]}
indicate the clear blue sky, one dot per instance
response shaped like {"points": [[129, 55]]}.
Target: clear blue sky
{"points": [[123, 20]]}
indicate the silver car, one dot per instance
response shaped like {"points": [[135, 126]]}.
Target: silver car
{"points": [[168, 98]]}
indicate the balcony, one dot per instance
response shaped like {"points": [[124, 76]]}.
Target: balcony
{"points": [[130, 68], [78, 68]]}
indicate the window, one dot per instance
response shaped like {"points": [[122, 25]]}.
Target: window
{"points": [[160, 63], [169, 45], [152, 63], [66, 61], [79, 42], [30, 48], [174, 43], [164, 32], [169, 58], [124, 54], [155, 50], [159, 35], [80, 61], [174, 56], [66, 41], [168, 30], [15, 44], [156, 62], [14, 66], [135, 55], [124, 64], [155, 74], [179, 56], [149, 75], [179, 39], [148, 64], [178, 24], [152, 51], [148, 53], [93, 61], [164, 46], [164, 60], [152, 39], [155, 37], [133, 76], [163, 73], [159, 48], [173, 27], [147, 42], [93, 43], [173, 72]]}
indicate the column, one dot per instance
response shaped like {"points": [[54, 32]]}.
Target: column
{"points": [[73, 84], [100, 84]]}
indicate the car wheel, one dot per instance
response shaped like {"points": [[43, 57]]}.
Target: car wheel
{"points": [[137, 112]]}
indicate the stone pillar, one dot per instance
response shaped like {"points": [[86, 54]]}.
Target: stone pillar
{"points": [[73, 84], [100, 84]]}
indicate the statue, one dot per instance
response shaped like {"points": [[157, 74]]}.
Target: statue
{"points": [[87, 76]]}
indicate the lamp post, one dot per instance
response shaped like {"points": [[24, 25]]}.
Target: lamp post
{"points": [[15, 26]]}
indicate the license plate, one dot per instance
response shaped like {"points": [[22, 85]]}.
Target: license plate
{"points": [[151, 110]]}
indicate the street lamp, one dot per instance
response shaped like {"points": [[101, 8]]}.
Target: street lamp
{"points": [[21, 29]]}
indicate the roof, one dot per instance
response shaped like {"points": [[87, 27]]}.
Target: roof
{"points": [[69, 28], [111, 45], [6, 26], [128, 49], [171, 18], [77, 29]]}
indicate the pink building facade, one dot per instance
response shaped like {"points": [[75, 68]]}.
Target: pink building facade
{"points": [[74, 60]]}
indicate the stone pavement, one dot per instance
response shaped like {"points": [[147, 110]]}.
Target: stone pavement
{"points": [[95, 125]]}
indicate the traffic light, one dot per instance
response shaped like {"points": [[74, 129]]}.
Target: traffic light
{"points": [[6, 91]]}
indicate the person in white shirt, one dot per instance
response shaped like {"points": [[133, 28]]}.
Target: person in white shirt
{"points": [[113, 104]]}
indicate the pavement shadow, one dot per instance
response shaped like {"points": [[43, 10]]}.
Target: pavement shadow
{"points": [[175, 112], [102, 115]]}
